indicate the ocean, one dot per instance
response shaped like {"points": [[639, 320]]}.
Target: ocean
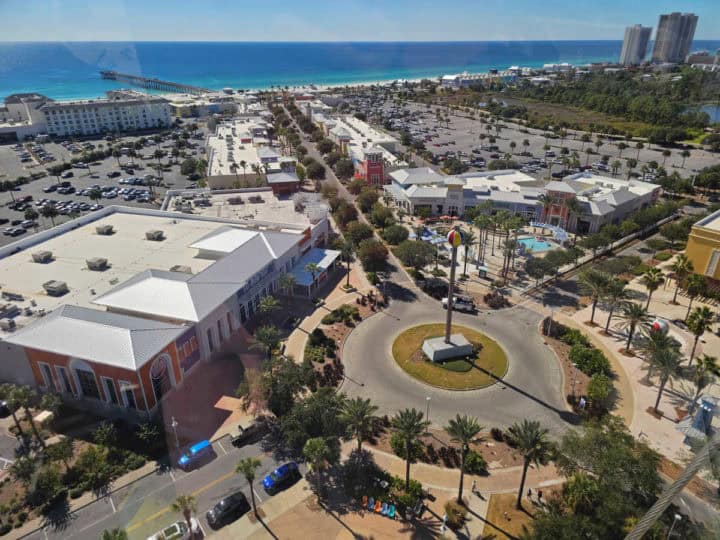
{"points": [[71, 70]]}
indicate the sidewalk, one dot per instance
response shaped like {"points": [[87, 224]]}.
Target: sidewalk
{"points": [[295, 344]]}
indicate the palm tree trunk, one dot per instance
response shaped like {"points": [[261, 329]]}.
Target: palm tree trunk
{"points": [[407, 465], [592, 314], [347, 282], [17, 424], [252, 498], [677, 287], [462, 476], [631, 331], [492, 251], [689, 307], [359, 444], [34, 427], [647, 306], [607, 324], [518, 503], [692, 353], [660, 392]]}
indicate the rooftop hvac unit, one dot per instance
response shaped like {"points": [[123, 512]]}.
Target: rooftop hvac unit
{"points": [[155, 235], [97, 263], [105, 230], [181, 268], [55, 288], [7, 324], [42, 256]]}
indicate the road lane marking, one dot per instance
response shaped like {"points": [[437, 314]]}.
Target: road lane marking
{"points": [[222, 448], [172, 475], [167, 509], [257, 495], [112, 504]]}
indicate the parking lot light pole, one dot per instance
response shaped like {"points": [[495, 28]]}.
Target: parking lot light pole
{"points": [[174, 424], [427, 408]]}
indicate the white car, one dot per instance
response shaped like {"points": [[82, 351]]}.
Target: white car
{"points": [[461, 303]]}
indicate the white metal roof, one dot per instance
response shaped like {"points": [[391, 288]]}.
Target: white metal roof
{"points": [[90, 334], [224, 239]]}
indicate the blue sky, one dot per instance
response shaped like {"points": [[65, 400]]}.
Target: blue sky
{"points": [[338, 20]]}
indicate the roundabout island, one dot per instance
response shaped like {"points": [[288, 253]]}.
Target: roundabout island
{"points": [[482, 368]]}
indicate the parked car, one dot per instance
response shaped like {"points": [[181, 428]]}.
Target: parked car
{"points": [[67, 174], [113, 174], [228, 510], [50, 188], [197, 454], [251, 433], [461, 303], [281, 477]]}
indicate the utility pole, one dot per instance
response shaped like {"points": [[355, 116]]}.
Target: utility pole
{"points": [[454, 238]]}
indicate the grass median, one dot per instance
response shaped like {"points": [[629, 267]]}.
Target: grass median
{"points": [[471, 374]]}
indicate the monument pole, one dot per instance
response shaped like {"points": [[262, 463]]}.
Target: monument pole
{"points": [[454, 238]]}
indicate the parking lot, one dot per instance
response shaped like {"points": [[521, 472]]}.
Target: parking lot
{"points": [[452, 133], [122, 180]]}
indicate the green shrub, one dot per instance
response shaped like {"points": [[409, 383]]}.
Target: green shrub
{"points": [[4, 529], [574, 337], [134, 461], [590, 360], [455, 514], [397, 443], [475, 463], [372, 278], [663, 256], [395, 234], [22, 516], [640, 269], [315, 354], [439, 272], [76, 492]]}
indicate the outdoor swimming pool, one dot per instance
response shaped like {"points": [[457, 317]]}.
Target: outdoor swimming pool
{"points": [[534, 245]]}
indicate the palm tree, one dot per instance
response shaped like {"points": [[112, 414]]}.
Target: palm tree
{"points": [[318, 452], [685, 154], [652, 279], [287, 282], [654, 342], [631, 164], [666, 154], [267, 339], [585, 138], [185, 505], [247, 467], [114, 534], [468, 238], [7, 393], [513, 144], [482, 222], [632, 314], [409, 423], [49, 211], [346, 251], [531, 441], [116, 154], [463, 430], [694, 286], [593, 283], [664, 362], [268, 305], [25, 397], [243, 164], [682, 267], [615, 296], [639, 147], [621, 147], [23, 470], [706, 371], [95, 194], [313, 269], [615, 166], [358, 415], [698, 322]]}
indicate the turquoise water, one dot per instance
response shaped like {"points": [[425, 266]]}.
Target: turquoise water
{"points": [[71, 70], [534, 245], [713, 111]]}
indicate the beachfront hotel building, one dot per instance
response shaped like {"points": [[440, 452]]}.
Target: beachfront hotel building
{"points": [[674, 37], [601, 200], [241, 154], [703, 246], [122, 110], [116, 309], [635, 44]]}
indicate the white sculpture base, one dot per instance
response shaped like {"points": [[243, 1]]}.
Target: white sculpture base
{"points": [[437, 350]]}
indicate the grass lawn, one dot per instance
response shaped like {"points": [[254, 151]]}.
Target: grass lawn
{"points": [[498, 524], [455, 375]]}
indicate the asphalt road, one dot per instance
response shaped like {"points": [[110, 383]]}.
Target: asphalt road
{"points": [[143, 507], [531, 389]]}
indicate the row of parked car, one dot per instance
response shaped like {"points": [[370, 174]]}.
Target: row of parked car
{"points": [[40, 154]]}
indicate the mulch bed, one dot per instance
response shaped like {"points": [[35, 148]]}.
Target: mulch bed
{"points": [[702, 488], [497, 454], [562, 351]]}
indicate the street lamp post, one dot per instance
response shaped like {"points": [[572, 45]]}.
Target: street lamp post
{"points": [[676, 518], [454, 239], [427, 408], [174, 424]]}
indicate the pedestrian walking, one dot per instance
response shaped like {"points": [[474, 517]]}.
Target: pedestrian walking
{"points": [[539, 494], [474, 486], [529, 493]]}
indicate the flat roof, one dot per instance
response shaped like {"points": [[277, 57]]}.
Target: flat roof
{"points": [[711, 222], [129, 255], [270, 208]]}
